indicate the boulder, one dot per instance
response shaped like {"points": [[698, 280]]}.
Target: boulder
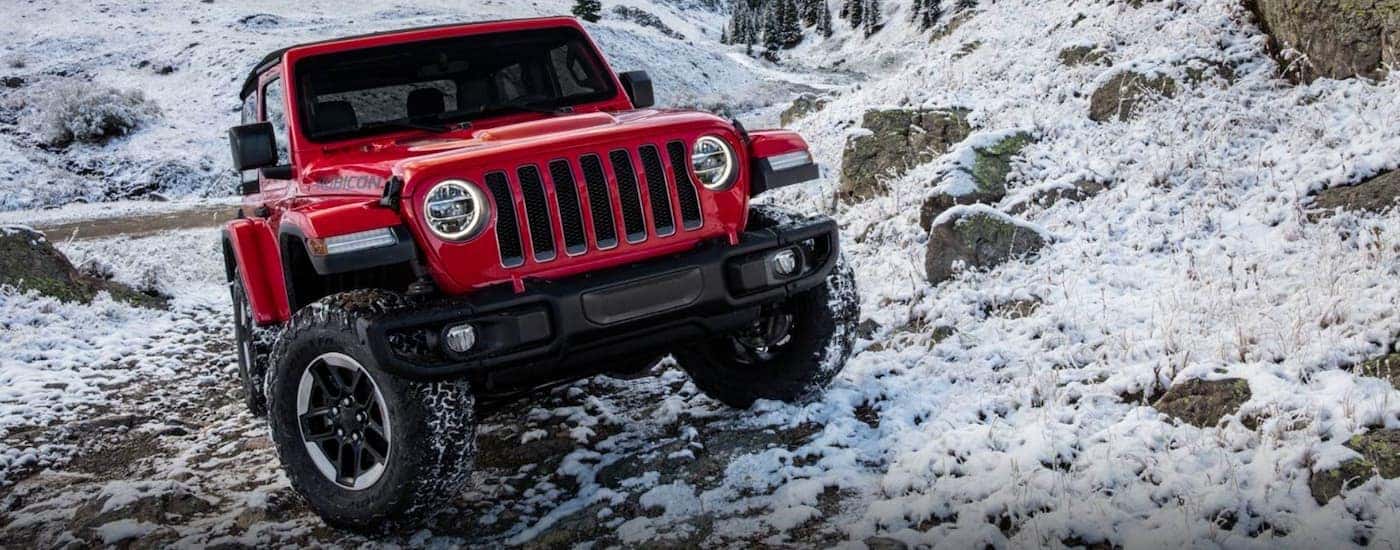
{"points": [[1045, 198], [1380, 454], [804, 105], [978, 238], [897, 140], [1201, 70], [987, 175], [1337, 38], [1203, 403], [1075, 56], [1377, 194], [1124, 95], [29, 262]]}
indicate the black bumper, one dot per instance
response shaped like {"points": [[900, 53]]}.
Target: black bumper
{"points": [[586, 324]]}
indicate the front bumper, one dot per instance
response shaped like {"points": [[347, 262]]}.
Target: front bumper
{"points": [[586, 324]]}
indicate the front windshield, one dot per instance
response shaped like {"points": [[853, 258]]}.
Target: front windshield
{"points": [[433, 83]]}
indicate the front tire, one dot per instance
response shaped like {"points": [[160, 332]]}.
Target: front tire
{"points": [[790, 353], [254, 344], [369, 451]]}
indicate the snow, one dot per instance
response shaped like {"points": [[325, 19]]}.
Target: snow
{"points": [[1199, 262], [124, 529]]}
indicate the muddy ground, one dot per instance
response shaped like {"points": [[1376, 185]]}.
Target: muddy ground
{"points": [[173, 458]]}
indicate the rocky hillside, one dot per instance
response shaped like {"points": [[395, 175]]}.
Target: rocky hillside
{"points": [[1131, 271]]}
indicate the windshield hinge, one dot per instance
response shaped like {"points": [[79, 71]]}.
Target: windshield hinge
{"points": [[392, 190], [743, 132]]}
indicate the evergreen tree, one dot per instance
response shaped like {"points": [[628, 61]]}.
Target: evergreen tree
{"points": [[810, 11], [873, 20], [588, 10], [855, 12], [824, 20], [772, 35], [926, 13], [964, 5], [786, 22]]}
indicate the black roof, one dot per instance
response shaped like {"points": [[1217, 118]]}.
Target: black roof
{"points": [[251, 82]]}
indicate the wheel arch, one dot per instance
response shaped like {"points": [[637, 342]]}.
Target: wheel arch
{"points": [[250, 243]]}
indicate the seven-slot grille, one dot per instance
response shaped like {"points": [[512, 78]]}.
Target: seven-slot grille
{"points": [[568, 204]]}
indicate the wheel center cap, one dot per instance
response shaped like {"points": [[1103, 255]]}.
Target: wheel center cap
{"points": [[348, 422]]}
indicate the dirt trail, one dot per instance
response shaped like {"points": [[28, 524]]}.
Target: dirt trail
{"points": [[209, 215]]}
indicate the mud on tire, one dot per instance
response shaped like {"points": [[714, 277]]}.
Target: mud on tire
{"points": [[819, 337], [432, 445]]}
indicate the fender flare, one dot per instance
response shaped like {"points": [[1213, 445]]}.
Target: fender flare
{"points": [[251, 243]]}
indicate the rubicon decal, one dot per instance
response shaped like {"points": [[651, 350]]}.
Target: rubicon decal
{"points": [[350, 182]]}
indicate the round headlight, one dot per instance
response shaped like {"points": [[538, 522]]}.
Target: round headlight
{"points": [[455, 210], [713, 161]]}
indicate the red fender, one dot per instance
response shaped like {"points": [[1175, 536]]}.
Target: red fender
{"points": [[254, 248], [771, 143]]}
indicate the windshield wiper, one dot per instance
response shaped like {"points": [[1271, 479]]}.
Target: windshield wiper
{"points": [[412, 124], [534, 107]]}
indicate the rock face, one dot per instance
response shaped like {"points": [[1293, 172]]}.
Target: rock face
{"points": [[1380, 454], [988, 174], [978, 239], [1340, 38], [1075, 56], [1374, 195], [897, 141], [1123, 96], [1202, 403], [1081, 190], [29, 262], [646, 19], [804, 105]]}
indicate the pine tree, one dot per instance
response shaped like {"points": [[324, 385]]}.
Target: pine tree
{"points": [[927, 13], [873, 19], [964, 5], [855, 11], [588, 10], [824, 20], [772, 35], [787, 23]]}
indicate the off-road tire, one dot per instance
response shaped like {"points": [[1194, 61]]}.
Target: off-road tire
{"points": [[433, 443], [252, 367], [822, 335]]}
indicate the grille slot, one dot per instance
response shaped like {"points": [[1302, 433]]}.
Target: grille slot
{"points": [[599, 201], [656, 191], [536, 213], [686, 193], [632, 221], [507, 227], [570, 218]]}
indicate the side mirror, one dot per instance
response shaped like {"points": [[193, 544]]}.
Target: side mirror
{"points": [[254, 146], [638, 87]]}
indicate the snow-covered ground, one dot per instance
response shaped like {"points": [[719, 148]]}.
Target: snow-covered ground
{"points": [[958, 423]]}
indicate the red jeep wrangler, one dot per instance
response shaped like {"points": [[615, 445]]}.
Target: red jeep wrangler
{"points": [[439, 218]]}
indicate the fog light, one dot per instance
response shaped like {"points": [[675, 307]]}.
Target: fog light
{"points": [[461, 338], [785, 263]]}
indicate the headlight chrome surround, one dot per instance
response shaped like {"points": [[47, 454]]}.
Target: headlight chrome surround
{"points": [[456, 210], [714, 163]]}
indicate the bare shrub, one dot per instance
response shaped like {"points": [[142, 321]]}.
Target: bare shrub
{"points": [[78, 112]]}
